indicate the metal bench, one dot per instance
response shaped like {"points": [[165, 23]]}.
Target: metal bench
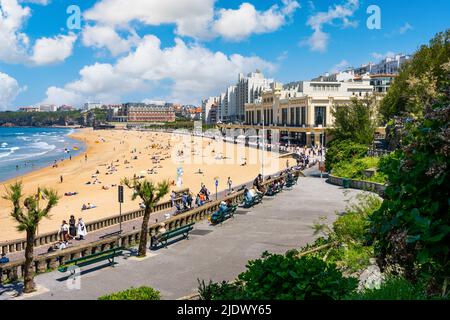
{"points": [[109, 255], [182, 233], [219, 217]]}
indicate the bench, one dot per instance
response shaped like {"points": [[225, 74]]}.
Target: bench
{"points": [[219, 217], [182, 233], [248, 204], [91, 259], [273, 191], [291, 182]]}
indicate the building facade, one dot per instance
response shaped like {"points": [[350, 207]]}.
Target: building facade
{"points": [[210, 109], [141, 112], [302, 111]]}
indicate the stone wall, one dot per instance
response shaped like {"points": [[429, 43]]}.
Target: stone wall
{"points": [[359, 184]]}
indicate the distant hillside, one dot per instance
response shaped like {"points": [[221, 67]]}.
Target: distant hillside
{"points": [[44, 119]]}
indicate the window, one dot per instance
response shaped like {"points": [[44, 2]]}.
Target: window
{"points": [[292, 116], [303, 116], [284, 116], [320, 116], [297, 116]]}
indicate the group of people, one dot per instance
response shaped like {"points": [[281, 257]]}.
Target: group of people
{"points": [[202, 196], [72, 230]]}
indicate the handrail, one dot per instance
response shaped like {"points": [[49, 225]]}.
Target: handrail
{"points": [[51, 237]]}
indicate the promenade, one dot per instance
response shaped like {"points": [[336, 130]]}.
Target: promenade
{"points": [[218, 253]]}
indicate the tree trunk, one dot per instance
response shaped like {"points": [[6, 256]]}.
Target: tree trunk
{"points": [[29, 285], [144, 232]]}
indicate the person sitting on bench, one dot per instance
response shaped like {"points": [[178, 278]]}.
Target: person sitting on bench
{"points": [[4, 259], [248, 196]]}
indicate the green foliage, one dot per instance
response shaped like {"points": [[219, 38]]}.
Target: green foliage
{"points": [[350, 231], [355, 169], [394, 288], [219, 291], [142, 293], [422, 80], [356, 122], [30, 211], [345, 150], [412, 228], [149, 192], [41, 119], [285, 277]]}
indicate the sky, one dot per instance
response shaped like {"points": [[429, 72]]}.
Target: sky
{"points": [[115, 51]]}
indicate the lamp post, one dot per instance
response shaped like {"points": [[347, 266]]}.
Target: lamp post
{"points": [[263, 145]]}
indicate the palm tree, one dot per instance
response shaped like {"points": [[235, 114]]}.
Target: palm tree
{"points": [[150, 194], [28, 214]]}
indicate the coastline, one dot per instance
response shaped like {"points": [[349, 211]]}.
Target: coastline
{"points": [[70, 135]]}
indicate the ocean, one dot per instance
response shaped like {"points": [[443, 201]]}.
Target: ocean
{"points": [[23, 150]]}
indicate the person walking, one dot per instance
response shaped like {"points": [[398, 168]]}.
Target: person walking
{"points": [[230, 184], [61, 179], [172, 198], [81, 229], [72, 227], [63, 232]]}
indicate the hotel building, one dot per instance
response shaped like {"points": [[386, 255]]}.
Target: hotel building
{"points": [[141, 112]]}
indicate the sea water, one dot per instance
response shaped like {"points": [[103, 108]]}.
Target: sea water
{"points": [[23, 150]]}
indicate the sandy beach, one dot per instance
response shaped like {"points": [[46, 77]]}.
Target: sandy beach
{"points": [[116, 154]]}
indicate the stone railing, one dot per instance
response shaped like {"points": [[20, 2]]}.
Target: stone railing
{"points": [[359, 184], [13, 271], [52, 237]]}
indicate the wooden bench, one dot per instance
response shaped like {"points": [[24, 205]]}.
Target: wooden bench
{"points": [[91, 259], [219, 217], [182, 233]]}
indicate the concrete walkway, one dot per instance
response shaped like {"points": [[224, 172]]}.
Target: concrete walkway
{"points": [[218, 253]]}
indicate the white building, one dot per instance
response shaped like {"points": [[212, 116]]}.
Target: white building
{"points": [[390, 65], [48, 108], [228, 105], [207, 105], [248, 90], [92, 105], [302, 111]]}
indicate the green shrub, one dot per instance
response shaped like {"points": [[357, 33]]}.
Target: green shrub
{"points": [[285, 277], [142, 293], [394, 288], [345, 150], [220, 291], [354, 169]]}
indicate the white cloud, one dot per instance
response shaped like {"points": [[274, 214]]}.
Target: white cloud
{"points": [[41, 2], [53, 50], [9, 89], [405, 28], [319, 39], [381, 56], [193, 18], [106, 37], [341, 66], [190, 16], [192, 70], [241, 23], [15, 44]]}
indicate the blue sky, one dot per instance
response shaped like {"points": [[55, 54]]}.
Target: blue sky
{"points": [[146, 50]]}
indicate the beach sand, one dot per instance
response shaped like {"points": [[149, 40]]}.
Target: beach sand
{"points": [[107, 147]]}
